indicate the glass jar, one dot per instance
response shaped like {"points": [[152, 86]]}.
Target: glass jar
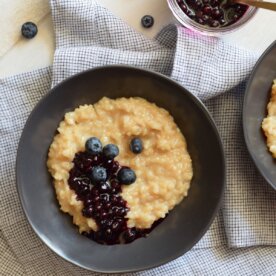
{"points": [[186, 21]]}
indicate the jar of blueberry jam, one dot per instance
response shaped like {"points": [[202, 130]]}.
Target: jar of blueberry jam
{"points": [[211, 17]]}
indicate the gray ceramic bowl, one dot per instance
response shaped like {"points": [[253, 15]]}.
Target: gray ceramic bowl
{"points": [[256, 98], [183, 227]]}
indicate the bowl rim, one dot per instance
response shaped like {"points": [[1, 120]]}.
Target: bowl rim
{"points": [[246, 94], [200, 105], [189, 23]]}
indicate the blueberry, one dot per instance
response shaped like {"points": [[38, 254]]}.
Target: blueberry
{"points": [[104, 198], [207, 10], [136, 145], [108, 233], [103, 215], [96, 199], [183, 7], [82, 190], [107, 205], [198, 3], [115, 226], [110, 151], [217, 13], [200, 21], [29, 30], [215, 3], [104, 187], [98, 175], [205, 18], [114, 199], [222, 21], [98, 206], [118, 211], [88, 202], [126, 176], [93, 145], [121, 212], [129, 235], [121, 202], [88, 212], [214, 23], [112, 167], [103, 223], [147, 21], [116, 188], [94, 192]]}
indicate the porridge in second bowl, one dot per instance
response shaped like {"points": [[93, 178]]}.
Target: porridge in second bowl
{"points": [[119, 166], [269, 123]]}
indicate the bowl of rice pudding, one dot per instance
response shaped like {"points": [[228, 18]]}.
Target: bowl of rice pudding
{"points": [[120, 168]]}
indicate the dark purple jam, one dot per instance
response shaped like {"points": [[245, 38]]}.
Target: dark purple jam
{"points": [[102, 201], [213, 13]]}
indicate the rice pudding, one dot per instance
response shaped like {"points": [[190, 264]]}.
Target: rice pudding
{"points": [[162, 168], [269, 123]]}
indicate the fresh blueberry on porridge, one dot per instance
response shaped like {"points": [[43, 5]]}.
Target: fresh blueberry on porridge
{"points": [[110, 151], [126, 176], [136, 145], [118, 167], [93, 145], [98, 175]]}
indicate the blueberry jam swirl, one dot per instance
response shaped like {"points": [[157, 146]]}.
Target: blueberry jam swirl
{"points": [[213, 13], [102, 200]]}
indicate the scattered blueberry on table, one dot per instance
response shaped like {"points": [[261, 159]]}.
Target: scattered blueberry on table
{"points": [[29, 30], [147, 21]]}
